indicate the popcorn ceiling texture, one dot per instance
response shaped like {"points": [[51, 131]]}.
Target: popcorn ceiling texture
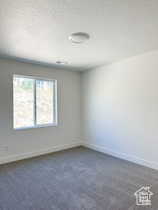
{"points": [[37, 31]]}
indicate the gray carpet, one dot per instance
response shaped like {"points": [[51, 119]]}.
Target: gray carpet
{"points": [[75, 179]]}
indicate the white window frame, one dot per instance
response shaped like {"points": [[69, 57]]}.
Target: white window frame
{"points": [[55, 103]]}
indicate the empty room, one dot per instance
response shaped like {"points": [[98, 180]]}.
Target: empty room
{"points": [[79, 104]]}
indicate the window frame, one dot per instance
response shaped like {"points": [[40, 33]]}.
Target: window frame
{"points": [[55, 102]]}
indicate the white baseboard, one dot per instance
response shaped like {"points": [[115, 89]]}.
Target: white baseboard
{"points": [[140, 161], [102, 149], [37, 153]]}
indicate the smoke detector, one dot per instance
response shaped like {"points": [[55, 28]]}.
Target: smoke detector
{"points": [[79, 37], [61, 62]]}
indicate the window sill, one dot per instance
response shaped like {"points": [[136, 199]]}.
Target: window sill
{"points": [[37, 126]]}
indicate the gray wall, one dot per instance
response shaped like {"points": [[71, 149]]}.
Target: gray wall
{"points": [[38, 139], [120, 109]]}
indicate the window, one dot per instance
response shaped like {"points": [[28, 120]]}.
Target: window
{"points": [[34, 101]]}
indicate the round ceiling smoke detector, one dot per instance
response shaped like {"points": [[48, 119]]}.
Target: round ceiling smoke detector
{"points": [[79, 37], [61, 62]]}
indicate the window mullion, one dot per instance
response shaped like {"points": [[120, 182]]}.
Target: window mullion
{"points": [[54, 102], [35, 111]]}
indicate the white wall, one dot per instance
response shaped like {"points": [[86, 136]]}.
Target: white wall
{"points": [[38, 140], [120, 109]]}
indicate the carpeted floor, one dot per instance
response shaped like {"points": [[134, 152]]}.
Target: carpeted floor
{"points": [[75, 179]]}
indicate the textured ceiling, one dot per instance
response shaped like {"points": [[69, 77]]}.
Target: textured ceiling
{"points": [[38, 30]]}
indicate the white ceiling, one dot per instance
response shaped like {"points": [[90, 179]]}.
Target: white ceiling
{"points": [[38, 30]]}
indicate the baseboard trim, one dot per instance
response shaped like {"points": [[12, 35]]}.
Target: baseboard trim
{"points": [[14, 158], [134, 159]]}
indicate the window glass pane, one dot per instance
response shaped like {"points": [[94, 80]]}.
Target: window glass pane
{"points": [[23, 102], [44, 102]]}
